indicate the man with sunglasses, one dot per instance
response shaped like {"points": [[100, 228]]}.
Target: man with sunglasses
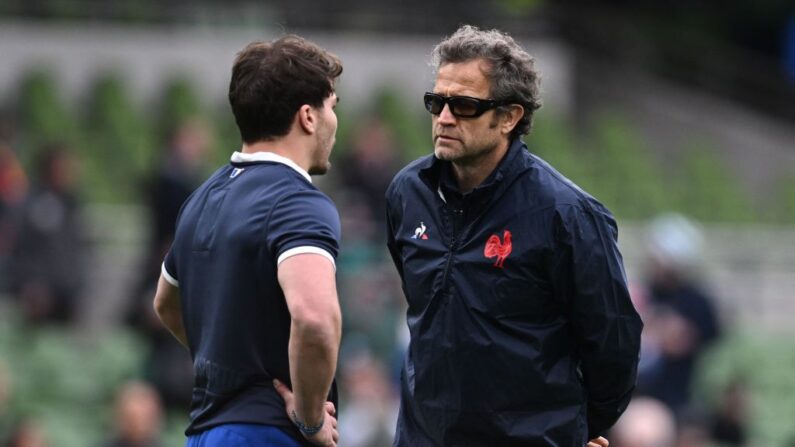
{"points": [[522, 330]]}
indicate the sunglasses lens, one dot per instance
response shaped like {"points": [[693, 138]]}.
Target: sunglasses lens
{"points": [[464, 107], [434, 103], [460, 106]]}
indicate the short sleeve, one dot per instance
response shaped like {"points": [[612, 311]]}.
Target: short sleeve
{"points": [[304, 222], [169, 269]]}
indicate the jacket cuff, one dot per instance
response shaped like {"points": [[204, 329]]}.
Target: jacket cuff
{"points": [[596, 432]]}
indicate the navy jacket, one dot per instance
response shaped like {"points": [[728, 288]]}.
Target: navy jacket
{"points": [[522, 329]]}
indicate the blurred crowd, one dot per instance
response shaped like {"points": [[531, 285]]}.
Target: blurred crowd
{"points": [[43, 276], [681, 323]]}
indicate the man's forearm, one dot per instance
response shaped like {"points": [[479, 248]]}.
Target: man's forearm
{"points": [[313, 353], [315, 329], [168, 308], [173, 322]]}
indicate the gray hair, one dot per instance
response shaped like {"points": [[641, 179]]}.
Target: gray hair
{"points": [[511, 71]]}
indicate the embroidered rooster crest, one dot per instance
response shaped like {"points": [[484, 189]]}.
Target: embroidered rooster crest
{"points": [[500, 249]]}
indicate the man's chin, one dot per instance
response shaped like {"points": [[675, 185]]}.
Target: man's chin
{"points": [[445, 153]]}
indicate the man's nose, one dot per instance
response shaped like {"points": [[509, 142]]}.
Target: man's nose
{"points": [[446, 116]]}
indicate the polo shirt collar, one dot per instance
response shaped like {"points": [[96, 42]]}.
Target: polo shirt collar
{"points": [[242, 157]]}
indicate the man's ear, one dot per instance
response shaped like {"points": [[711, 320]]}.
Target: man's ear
{"points": [[511, 118], [307, 119]]}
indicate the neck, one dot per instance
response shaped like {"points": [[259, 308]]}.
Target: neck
{"points": [[470, 173], [284, 147]]}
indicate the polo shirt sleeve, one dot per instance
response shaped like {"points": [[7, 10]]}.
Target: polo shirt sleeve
{"points": [[304, 222], [169, 269]]}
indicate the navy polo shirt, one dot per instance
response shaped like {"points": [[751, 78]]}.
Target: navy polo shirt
{"points": [[231, 235]]}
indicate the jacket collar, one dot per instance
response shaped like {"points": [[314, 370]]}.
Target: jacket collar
{"points": [[511, 165]]}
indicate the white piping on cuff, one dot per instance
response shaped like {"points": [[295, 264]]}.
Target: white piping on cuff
{"points": [[170, 279], [306, 249]]}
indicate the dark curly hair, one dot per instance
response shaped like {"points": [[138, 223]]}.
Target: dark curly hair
{"points": [[512, 74], [271, 81]]}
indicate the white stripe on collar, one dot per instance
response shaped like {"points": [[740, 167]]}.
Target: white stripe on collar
{"points": [[241, 157]]}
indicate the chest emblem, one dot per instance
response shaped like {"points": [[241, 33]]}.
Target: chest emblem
{"points": [[498, 248], [419, 232]]}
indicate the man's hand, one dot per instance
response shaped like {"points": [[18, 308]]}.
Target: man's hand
{"points": [[598, 442], [328, 434]]}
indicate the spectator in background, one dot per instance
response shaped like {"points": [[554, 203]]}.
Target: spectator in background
{"points": [[13, 189], [370, 165], [138, 417], [180, 171], [730, 419], [681, 319], [646, 423], [27, 433], [371, 306], [5, 401], [360, 227], [693, 431], [368, 417], [48, 268]]}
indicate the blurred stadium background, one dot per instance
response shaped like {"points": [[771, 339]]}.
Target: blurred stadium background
{"points": [[677, 115]]}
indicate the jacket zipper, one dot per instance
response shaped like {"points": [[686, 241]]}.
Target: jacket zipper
{"points": [[457, 220]]}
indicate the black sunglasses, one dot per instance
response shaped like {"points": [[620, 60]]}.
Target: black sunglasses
{"points": [[460, 106]]}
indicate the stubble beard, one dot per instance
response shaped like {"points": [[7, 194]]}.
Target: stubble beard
{"points": [[445, 153], [321, 164], [464, 155]]}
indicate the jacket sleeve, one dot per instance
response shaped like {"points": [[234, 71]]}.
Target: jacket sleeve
{"points": [[588, 274], [392, 222]]}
